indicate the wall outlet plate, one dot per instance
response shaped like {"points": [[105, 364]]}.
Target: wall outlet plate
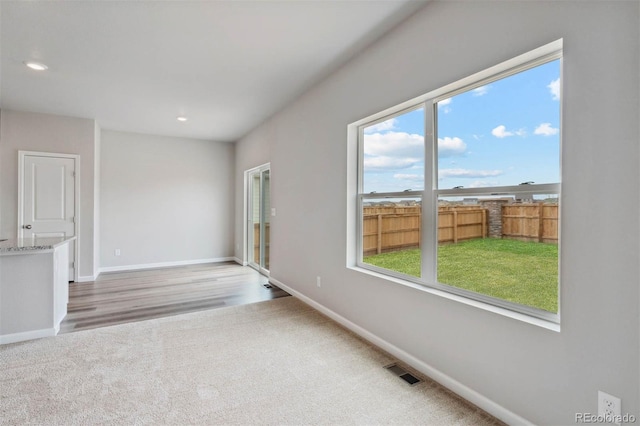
{"points": [[609, 407]]}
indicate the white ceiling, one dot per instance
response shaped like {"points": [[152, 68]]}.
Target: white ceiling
{"points": [[137, 65]]}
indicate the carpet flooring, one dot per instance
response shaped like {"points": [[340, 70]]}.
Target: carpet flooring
{"points": [[271, 363]]}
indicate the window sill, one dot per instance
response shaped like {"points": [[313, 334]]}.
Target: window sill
{"points": [[549, 325]]}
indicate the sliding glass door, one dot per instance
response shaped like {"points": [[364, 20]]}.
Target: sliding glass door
{"points": [[258, 215]]}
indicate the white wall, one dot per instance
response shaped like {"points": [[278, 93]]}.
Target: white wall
{"points": [[254, 152], [541, 375], [96, 201], [164, 200], [28, 131]]}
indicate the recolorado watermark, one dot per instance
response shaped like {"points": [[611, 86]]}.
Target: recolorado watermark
{"points": [[600, 418]]}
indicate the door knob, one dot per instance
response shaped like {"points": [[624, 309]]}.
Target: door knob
{"points": [[27, 226]]}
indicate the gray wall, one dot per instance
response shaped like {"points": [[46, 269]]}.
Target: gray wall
{"points": [[541, 375], [254, 152], [96, 200], [164, 199], [28, 131]]}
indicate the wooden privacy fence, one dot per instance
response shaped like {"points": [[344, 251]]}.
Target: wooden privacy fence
{"points": [[530, 222], [395, 228], [391, 228], [461, 223]]}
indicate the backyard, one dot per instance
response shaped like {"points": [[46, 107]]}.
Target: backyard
{"points": [[517, 271]]}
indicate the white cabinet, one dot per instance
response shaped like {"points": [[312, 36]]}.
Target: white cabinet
{"points": [[34, 288]]}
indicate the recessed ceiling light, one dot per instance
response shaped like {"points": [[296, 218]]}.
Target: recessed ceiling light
{"points": [[36, 65], [181, 118]]}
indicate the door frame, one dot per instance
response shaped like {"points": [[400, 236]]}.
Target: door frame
{"points": [[76, 189], [248, 202]]}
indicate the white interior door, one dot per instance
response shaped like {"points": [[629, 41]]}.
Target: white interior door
{"points": [[48, 200]]}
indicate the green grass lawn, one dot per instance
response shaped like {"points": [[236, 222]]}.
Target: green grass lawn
{"points": [[517, 271]]}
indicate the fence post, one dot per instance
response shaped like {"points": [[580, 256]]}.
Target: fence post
{"points": [[379, 248], [540, 224], [455, 226], [484, 223]]}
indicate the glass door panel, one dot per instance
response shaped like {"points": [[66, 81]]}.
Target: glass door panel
{"points": [[258, 215], [254, 220], [265, 222]]}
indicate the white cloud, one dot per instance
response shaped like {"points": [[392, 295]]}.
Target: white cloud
{"points": [[545, 129], [554, 88], [467, 173], [394, 144], [451, 146], [382, 126], [392, 151], [480, 91], [388, 163], [502, 132], [411, 177], [483, 183], [443, 105], [400, 150]]}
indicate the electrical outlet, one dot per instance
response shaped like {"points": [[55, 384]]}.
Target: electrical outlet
{"points": [[609, 406], [116, 252], [318, 282]]}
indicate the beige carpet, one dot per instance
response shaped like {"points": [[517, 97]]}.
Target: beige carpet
{"points": [[277, 362]]}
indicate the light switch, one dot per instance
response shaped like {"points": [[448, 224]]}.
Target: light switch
{"points": [[273, 211]]}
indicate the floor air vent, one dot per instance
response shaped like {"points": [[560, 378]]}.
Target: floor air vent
{"points": [[267, 285], [402, 373]]}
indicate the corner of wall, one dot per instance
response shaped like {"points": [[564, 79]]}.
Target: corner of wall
{"points": [[96, 200]]}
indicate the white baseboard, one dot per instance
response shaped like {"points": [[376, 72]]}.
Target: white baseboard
{"points": [[27, 335], [88, 278], [450, 383], [239, 261], [164, 264]]}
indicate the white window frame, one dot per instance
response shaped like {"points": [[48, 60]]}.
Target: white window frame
{"points": [[431, 193]]}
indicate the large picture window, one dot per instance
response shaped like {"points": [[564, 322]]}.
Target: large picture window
{"points": [[460, 189]]}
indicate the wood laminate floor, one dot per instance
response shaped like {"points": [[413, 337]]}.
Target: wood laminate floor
{"points": [[121, 297]]}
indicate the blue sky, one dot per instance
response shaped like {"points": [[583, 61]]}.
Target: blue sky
{"points": [[504, 133]]}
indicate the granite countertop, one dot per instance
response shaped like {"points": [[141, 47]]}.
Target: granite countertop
{"points": [[27, 245]]}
